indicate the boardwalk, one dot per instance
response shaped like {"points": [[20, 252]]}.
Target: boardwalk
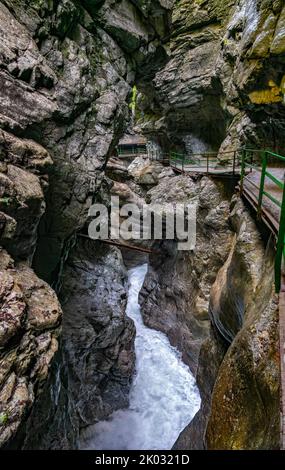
{"points": [[252, 184], [226, 170]]}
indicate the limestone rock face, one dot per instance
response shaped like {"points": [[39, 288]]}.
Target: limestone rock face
{"points": [[23, 183], [210, 76], [240, 394], [217, 306], [30, 317], [245, 402], [51, 94], [123, 22], [239, 278], [65, 82], [145, 172], [224, 70]]}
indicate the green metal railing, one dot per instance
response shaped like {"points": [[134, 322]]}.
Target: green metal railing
{"points": [[260, 161], [243, 162], [206, 162], [135, 150]]}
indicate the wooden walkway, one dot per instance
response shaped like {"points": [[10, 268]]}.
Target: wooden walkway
{"points": [[118, 244], [261, 176], [228, 165], [252, 186], [225, 172]]}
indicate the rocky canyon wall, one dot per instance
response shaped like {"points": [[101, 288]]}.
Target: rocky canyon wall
{"points": [[238, 371], [210, 76], [223, 83], [66, 77], [217, 305]]}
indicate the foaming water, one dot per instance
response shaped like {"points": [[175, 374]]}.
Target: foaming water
{"points": [[163, 398], [247, 13]]}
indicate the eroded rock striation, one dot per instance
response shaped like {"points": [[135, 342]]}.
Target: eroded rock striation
{"points": [[175, 296], [93, 370], [223, 82], [238, 367]]}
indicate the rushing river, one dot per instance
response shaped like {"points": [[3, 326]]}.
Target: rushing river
{"points": [[163, 397]]}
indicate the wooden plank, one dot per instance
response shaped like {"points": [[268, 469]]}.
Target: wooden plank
{"points": [[266, 217], [120, 245]]}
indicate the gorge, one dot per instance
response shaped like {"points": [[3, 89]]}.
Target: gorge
{"points": [[101, 347], [156, 412]]}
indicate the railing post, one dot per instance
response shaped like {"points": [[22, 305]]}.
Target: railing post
{"points": [[242, 171], [183, 159], [207, 165], [280, 247], [262, 183]]}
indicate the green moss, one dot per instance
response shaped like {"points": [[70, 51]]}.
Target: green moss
{"points": [[3, 419], [133, 103]]}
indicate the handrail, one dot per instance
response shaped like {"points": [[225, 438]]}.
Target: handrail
{"points": [[272, 198], [248, 154], [241, 162], [252, 183], [280, 157], [244, 161], [275, 180]]}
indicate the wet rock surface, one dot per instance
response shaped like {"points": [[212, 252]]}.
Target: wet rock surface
{"points": [[246, 393], [95, 321], [145, 172], [238, 371], [30, 317], [223, 81], [210, 77], [245, 401]]}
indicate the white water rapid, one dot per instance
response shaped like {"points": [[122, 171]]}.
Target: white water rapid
{"points": [[163, 397]]}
